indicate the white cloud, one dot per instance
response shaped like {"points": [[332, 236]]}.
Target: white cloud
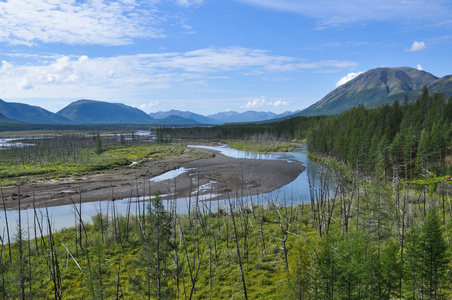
{"points": [[23, 84], [417, 46], [419, 67], [151, 104], [281, 103], [347, 78], [101, 22], [263, 101], [254, 104], [145, 75]]}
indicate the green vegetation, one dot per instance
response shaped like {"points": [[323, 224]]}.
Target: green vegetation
{"points": [[397, 142], [263, 143], [384, 232], [67, 155], [373, 241]]}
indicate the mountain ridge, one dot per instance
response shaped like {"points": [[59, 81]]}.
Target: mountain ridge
{"points": [[30, 114], [377, 87], [199, 119], [372, 88], [86, 111]]}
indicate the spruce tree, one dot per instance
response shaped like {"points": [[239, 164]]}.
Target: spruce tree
{"points": [[153, 271], [435, 260]]}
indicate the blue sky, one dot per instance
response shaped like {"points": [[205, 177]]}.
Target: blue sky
{"points": [[208, 56]]}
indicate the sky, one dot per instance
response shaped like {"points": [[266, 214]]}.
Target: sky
{"points": [[209, 56]]}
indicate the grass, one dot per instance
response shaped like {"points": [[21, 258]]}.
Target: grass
{"points": [[87, 162], [218, 276], [262, 143], [205, 246]]}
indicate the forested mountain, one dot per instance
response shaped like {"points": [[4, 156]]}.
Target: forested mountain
{"points": [[442, 85], [222, 117], [199, 119], [99, 112], [175, 120], [399, 140], [378, 87], [4, 119], [236, 117], [30, 114]]}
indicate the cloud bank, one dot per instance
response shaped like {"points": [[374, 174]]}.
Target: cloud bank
{"points": [[140, 74]]}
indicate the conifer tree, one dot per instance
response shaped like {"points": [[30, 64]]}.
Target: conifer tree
{"points": [[98, 150], [299, 273], [435, 260], [422, 153], [153, 270]]}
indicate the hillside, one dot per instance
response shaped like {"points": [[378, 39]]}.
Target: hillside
{"points": [[4, 119], [442, 85], [175, 120], [377, 87], [99, 112], [236, 117], [30, 114], [199, 119]]}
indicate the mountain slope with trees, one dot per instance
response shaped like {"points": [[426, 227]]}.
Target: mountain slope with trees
{"points": [[378, 87], [99, 112], [30, 114], [199, 119], [402, 140]]}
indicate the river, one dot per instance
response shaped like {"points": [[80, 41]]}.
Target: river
{"points": [[296, 192]]}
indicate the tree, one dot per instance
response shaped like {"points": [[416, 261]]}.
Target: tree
{"points": [[397, 151], [422, 153], [153, 270], [391, 271], [98, 150], [427, 259], [434, 249], [299, 273]]}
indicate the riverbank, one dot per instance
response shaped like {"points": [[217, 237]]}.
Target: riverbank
{"points": [[210, 176]]}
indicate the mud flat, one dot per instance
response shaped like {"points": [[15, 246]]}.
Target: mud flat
{"points": [[204, 175]]}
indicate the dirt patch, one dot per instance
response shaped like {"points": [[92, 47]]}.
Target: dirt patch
{"points": [[209, 176]]}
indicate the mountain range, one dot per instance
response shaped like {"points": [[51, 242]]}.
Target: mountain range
{"points": [[372, 88]]}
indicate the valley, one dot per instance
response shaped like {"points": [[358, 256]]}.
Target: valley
{"points": [[356, 205], [230, 176]]}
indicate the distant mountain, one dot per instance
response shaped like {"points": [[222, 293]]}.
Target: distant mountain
{"points": [[199, 119], [5, 120], [99, 112], [442, 85], [219, 118], [377, 87], [236, 117], [175, 120], [30, 114]]}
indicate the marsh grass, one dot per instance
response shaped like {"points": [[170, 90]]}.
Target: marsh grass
{"points": [[263, 142], [62, 156]]}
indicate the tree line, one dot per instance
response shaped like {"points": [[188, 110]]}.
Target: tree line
{"points": [[403, 140]]}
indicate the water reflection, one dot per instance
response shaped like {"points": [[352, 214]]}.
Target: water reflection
{"points": [[235, 153]]}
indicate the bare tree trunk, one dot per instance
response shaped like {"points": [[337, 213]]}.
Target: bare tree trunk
{"points": [[238, 250]]}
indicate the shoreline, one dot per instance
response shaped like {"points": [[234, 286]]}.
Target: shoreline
{"points": [[209, 177]]}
